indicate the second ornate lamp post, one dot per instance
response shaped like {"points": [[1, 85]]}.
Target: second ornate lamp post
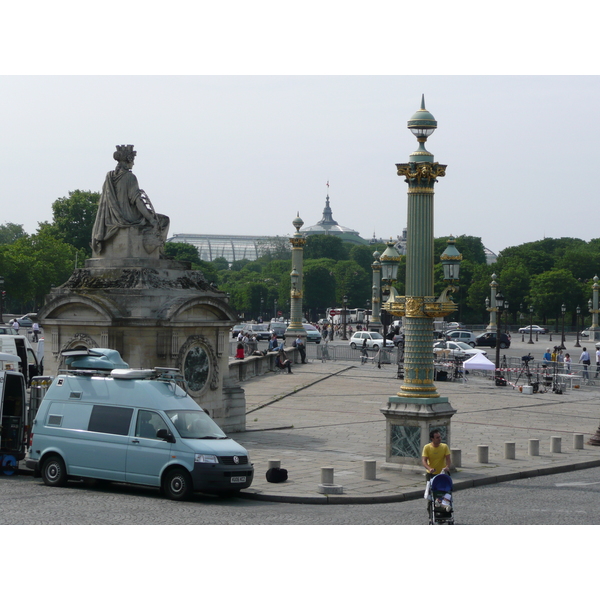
{"points": [[345, 301], [578, 310], [499, 306], [563, 309], [295, 329]]}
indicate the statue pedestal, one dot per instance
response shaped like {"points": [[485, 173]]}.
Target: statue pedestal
{"points": [[156, 313], [408, 423]]}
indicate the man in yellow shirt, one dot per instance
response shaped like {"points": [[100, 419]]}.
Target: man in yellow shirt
{"points": [[436, 456]]}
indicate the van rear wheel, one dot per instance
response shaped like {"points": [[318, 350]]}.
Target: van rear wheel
{"points": [[178, 485], [54, 472]]}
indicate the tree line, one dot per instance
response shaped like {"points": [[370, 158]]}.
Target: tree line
{"points": [[544, 274]]}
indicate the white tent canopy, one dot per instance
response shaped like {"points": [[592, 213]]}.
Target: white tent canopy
{"points": [[479, 361]]}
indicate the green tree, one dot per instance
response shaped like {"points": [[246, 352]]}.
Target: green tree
{"points": [[220, 263], [319, 285], [10, 232], [182, 251], [73, 218], [325, 246], [551, 289]]}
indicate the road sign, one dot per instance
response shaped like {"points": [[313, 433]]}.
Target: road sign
{"points": [[333, 313]]}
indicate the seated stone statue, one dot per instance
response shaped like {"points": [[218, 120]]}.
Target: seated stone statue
{"points": [[126, 224]]}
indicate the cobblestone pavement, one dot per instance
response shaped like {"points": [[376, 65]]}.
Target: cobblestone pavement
{"points": [[328, 415]]}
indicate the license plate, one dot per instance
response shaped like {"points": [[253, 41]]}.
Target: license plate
{"points": [[238, 479]]}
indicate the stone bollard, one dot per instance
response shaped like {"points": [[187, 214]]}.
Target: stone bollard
{"points": [[482, 453], [327, 486], [555, 442], [534, 447], [370, 469], [327, 475], [510, 450], [578, 441], [274, 464], [456, 457]]}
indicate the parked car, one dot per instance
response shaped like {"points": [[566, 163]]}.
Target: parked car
{"points": [[534, 329], [468, 337], [8, 331], [458, 350], [312, 333], [374, 340], [25, 321], [489, 339], [278, 329], [454, 325], [260, 330], [235, 330]]}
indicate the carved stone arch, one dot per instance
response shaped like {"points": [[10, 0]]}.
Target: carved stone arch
{"points": [[197, 362], [103, 306], [177, 308]]}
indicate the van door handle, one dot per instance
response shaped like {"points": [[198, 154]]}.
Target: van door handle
{"points": [[135, 441]]}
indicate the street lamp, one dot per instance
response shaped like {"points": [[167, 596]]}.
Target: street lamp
{"points": [[1, 299], [530, 325], [499, 306], [563, 309], [345, 300], [578, 310], [376, 292]]}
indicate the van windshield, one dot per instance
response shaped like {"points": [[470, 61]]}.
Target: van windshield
{"points": [[195, 424]]}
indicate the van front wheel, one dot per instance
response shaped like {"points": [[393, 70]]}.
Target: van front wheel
{"points": [[178, 485], [54, 472]]}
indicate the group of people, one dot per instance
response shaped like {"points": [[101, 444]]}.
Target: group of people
{"points": [[563, 362], [35, 328], [281, 362]]}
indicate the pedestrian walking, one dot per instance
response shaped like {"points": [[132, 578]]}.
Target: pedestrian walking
{"points": [[585, 360]]}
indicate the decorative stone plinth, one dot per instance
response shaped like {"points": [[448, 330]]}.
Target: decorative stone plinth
{"points": [[156, 313], [408, 424]]}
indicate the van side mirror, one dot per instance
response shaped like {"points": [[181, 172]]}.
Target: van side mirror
{"points": [[164, 434]]}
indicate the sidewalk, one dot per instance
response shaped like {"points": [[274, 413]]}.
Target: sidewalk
{"points": [[328, 415]]}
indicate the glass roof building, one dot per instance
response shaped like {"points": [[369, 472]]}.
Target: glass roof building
{"points": [[231, 247]]}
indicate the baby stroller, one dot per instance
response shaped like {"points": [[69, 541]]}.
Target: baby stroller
{"points": [[439, 500]]}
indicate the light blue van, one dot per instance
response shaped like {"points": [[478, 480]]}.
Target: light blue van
{"points": [[101, 420]]}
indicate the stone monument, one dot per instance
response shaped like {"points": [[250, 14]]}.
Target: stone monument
{"points": [[154, 311]]}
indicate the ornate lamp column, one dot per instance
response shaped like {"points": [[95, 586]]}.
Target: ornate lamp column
{"points": [[417, 407], [376, 297], [593, 305], [390, 260], [421, 173], [578, 310], [295, 328], [492, 326]]}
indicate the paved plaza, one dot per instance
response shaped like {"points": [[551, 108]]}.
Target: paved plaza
{"points": [[328, 415]]}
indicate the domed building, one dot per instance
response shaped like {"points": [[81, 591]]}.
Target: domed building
{"points": [[328, 226]]}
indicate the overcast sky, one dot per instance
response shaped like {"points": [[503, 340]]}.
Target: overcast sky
{"points": [[243, 154]]}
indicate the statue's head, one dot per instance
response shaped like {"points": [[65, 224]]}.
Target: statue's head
{"points": [[125, 154]]}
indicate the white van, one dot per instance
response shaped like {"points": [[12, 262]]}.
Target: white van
{"points": [[101, 420], [21, 346], [13, 418]]}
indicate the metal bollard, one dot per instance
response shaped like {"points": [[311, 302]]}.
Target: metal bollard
{"points": [[369, 469], [578, 441], [482, 453], [534, 447], [456, 457], [510, 450], [555, 442]]}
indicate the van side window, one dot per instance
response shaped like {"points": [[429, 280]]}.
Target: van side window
{"points": [[110, 419], [148, 423]]}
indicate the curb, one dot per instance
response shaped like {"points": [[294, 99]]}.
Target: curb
{"points": [[463, 484]]}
